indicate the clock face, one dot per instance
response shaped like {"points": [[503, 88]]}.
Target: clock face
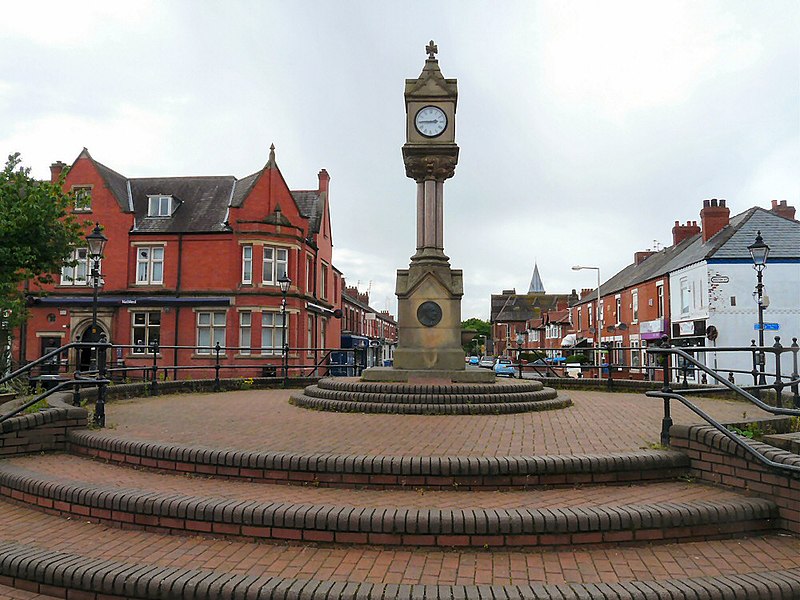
{"points": [[430, 121], [429, 313]]}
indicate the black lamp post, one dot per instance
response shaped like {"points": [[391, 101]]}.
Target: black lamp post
{"points": [[97, 243], [759, 251], [284, 282]]}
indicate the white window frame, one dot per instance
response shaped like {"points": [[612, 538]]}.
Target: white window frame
{"points": [[685, 296], [660, 299], [215, 325], [272, 333], [247, 264], [274, 264], [309, 274], [635, 306], [81, 255], [150, 262], [83, 198], [159, 206], [245, 332], [149, 327], [618, 308]]}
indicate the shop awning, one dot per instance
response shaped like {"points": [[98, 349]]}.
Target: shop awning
{"points": [[569, 340]]}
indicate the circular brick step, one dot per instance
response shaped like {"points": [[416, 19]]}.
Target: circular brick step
{"points": [[354, 395], [383, 471], [543, 518], [47, 553]]}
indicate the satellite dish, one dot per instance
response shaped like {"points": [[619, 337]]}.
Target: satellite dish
{"points": [[611, 328], [622, 326]]}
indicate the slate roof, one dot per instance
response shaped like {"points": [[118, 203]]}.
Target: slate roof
{"points": [[536, 287], [199, 203], [727, 245], [523, 307], [311, 206]]}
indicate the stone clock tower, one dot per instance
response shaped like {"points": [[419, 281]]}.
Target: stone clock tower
{"points": [[429, 292]]}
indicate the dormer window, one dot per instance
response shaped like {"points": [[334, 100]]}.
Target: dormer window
{"points": [[159, 206]]}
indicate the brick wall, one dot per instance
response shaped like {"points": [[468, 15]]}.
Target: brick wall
{"points": [[40, 431], [716, 459]]}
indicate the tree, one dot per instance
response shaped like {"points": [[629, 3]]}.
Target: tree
{"points": [[483, 329], [38, 233]]}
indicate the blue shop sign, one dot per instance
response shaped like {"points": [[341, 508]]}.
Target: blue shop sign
{"points": [[768, 326]]}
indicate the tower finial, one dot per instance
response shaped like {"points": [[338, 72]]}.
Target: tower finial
{"points": [[432, 50]]}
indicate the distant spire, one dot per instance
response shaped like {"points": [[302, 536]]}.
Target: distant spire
{"points": [[537, 287]]}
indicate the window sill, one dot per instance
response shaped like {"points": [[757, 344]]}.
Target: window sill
{"points": [[210, 355]]}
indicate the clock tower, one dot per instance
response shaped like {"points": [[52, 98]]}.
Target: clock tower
{"points": [[429, 292]]}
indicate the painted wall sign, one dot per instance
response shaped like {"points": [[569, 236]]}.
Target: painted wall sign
{"points": [[720, 279]]}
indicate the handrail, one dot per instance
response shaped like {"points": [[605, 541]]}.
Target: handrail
{"points": [[53, 390], [667, 394], [726, 432], [730, 385]]}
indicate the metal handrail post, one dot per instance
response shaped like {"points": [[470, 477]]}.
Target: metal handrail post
{"points": [[100, 401], [778, 379], [666, 421], [154, 369], [795, 374], [217, 350]]}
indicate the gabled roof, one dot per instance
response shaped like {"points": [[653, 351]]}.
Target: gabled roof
{"points": [[727, 245], [117, 184], [200, 203]]}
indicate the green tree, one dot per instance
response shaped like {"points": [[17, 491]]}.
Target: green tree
{"points": [[37, 234], [483, 329]]}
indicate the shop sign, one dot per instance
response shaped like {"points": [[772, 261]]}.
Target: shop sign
{"points": [[686, 328], [720, 279]]}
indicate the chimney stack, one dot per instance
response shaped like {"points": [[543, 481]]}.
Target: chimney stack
{"points": [[324, 179], [714, 216], [639, 257], [682, 232], [57, 167], [782, 209]]}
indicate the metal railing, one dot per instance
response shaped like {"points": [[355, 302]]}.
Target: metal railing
{"points": [[666, 352], [95, 377]]}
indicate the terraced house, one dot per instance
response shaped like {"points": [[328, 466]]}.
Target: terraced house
{"points": [[195, 262]]}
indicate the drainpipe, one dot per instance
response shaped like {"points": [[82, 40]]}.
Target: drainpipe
{"points": [[177, 308]]}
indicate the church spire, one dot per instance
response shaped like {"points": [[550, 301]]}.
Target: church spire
{"points": [[537, 287]]}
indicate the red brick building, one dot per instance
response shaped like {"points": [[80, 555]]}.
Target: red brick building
{"points": [[377, 328], [192, 262]]}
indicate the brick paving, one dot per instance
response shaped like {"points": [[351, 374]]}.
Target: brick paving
{"points": [[263, 420], [411, 566]]}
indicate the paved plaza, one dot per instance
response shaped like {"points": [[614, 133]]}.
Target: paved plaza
{"points": [[263, 420]]}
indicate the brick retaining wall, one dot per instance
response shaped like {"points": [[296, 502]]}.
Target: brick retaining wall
{"points": [[43, 430], [717, 459]]}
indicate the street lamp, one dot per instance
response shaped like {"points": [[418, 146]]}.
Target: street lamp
{"points": [[284, 282], [97, 243], [597, 326], [759, 251]]}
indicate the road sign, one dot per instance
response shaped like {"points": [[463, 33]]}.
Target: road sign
{"points": [[768, 326]]}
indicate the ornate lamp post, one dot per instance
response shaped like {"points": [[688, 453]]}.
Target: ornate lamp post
{"points": [[598, 328], [284, 282], [759, 251], [97, 243]]}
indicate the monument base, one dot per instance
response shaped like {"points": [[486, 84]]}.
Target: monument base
{"points": [[392, 375]]}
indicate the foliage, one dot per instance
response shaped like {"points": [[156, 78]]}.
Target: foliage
{"points": [[532, 355], [578, 358], [36, 407], [38, 232], [483, 329]]}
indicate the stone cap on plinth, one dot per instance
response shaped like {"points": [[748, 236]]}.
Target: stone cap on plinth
{"points": [[390, 374]]}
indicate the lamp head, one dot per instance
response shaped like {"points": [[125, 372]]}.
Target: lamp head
{"points": [[97, 242], [759, 251], [284, 282]]}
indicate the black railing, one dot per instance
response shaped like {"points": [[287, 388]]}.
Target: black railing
{"points": [[54, 382], [665, 354]]}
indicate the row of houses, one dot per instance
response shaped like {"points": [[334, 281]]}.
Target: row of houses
{"points": [[699, 292], [192, 262]]}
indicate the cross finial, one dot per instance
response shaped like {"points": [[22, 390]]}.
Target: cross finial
{"points": [[432, 49]]}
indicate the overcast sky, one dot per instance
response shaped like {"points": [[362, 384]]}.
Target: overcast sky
{"points": [[586, 128]]}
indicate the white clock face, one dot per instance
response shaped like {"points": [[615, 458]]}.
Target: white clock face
{"points": [[430, 121]]}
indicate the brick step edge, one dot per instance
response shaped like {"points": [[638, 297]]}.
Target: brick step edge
{"points": [[398, 408], [61, 575], [322, 393], [382, 471], [184, 514]]}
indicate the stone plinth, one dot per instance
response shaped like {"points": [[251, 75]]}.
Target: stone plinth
{"points": [[388, 374]]}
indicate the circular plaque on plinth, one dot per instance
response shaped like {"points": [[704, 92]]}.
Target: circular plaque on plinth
{"points": [[429, 313]]}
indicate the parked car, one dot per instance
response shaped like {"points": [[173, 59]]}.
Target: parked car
{"points": [[474, 360], [504, 366], [486, 362]]}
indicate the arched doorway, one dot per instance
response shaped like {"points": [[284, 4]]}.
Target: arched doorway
{"points": [[86, 358]]}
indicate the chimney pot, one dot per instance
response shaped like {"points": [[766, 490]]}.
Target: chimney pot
{"points": [[55, 170], [706, 203]]}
